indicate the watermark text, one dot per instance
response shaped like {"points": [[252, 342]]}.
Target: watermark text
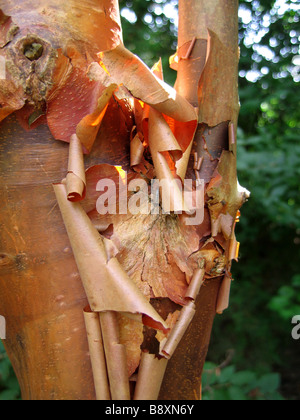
{"points": [[160, 197], [2, 68], [2, 328], [296, 329]]}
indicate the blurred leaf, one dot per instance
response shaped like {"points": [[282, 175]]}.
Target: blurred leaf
{"points": [[233, 385], [226, 374], [237, 394], [269, 383], [244, 378]]}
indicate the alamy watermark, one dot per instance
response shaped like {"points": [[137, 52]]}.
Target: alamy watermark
{"points": [[161, 197], [296, 329], [2, 68], [2, 328]]}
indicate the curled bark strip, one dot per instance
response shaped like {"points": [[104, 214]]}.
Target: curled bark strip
{"points": [[131, 337], [232, 137], [183, 131], [97, 355], [196, 283], [186, 315], [115, 354], [137, 150], [224, 295], [88, 127], [234, 247], [107, 286], [163, 147], [161, 136], [126, 68], [185, 318], [76, 181], [151, 373]]}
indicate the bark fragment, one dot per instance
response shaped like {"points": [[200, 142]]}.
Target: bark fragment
{"points": [[107, 286]]}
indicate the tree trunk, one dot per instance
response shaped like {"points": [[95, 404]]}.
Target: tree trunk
{"points": [[196, 18], [41, 295], [42, 292]]}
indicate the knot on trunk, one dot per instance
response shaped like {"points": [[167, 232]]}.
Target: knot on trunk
{"points": [[33, 51], [31, 60]]}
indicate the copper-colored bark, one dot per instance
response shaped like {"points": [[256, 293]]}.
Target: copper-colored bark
{"points": [[183, 376], [42, 297], [41, 293]]}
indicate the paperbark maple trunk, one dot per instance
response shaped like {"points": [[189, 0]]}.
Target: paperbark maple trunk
{"points": [[196, 18], [41, 294]]}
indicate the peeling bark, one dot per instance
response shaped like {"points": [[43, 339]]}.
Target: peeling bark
{"points": [[147, 287]]}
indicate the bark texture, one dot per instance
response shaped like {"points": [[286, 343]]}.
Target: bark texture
{"points": [[41, 292], [199, 20], [55, 89]]}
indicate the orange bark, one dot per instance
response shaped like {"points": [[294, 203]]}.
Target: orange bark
{"points": [[197, 18], [42, 295]]}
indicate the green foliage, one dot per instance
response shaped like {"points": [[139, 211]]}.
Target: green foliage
{"points": [[269, 165], [149, 33], [286, 303], [9, 387], [229, 384]]}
